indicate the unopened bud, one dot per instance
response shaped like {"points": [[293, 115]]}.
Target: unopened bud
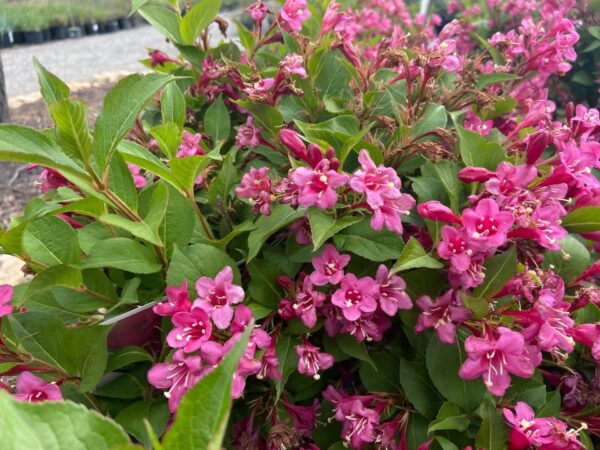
{"points": [[475, 174], [292, 141], [536, 144], [434, 210]]}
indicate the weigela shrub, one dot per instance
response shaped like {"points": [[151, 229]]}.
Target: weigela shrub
{"points": [[369, 228]]}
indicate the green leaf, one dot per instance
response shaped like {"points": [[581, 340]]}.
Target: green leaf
{"points": [[571, 266], [139, 156], [190, 263], [168, 137], [120, 182], [323, 226], [164, 20], [22, 144], [177, 225], [450, 417], [51, 241], [478, 306], [85, 349], [216, 120], [552, 406], [445, 443], [138, 229], [246, 36], [492, 433], [125, 356], [60, 275], [498, 269], [475, 151], [197, 19], [486, 79], [418, 388], [186, 170], [362, 240], [414, 256], [447, 173], [55, 426], [434, 117], [266, 116], [383, 379], [281, 216], [172, 105], [443, 363], [334, 132], [72, 131], [53, 88], [583, 220], [121, 107], [204, 411], [122, 253], [132, 419], [263, 282], [288, 359], [351, 347]]}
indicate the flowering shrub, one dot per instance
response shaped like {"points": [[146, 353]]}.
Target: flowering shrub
{"points": [[368, 229]]}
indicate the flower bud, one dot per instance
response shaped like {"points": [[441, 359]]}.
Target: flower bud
{"points": [[434, 210], [536, 144], [569, 111], [315, 155], [475, 174], [292, 141]]}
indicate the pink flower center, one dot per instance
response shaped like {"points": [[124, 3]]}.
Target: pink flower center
{"points": [[353, 297], [457, 245], [196, 330], [486, 226], [330, 268]]}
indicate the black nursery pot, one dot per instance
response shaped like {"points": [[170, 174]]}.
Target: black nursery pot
{"points": [[18, 37], [34, 37], [47, 34], [59, 32], [110, 26], [75, 32], [6, 39], [91, 28], [125, 23]]}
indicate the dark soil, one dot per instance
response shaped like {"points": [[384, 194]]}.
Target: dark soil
{"points": [[18, 184]]}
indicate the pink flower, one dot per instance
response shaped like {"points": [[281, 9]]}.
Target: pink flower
{"points": [[329, 266], [311, 361], [486, 225], [317, 186], [434, 210], [355, 296], [139, 180], [441, 315], [216, 296], [331, 17], [301, 229], [306, 302], [588, 334], [258, 11], [178, 300], [292, 141], [190, 330], [456, 247], [376, 182], [476, 125], [158, 58], [6, 293], [392, 294], [293, 64], [360, 424], [303, 417], [248, 135], [293, 13], [256, 186], [50, 179], [190, 145], [390, 212], [536, 143], [33, 389], [495, 356], [177, 377]]}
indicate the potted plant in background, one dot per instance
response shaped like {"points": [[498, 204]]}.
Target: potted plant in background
{"points": [[59, 20], [33, 24], [6, 34]]}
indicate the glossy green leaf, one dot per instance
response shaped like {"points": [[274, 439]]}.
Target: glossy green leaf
{"points": [[172, 105], [450, 417], [583, 220], [418, 388], [167, 136], [498, 269], [362, 240], [51, 241], [323, 226], [217, 122], [72, 131], [53, 88], [570, 261], [476, 151], [197, 19], [492, 432], [122, 253], [414, 256], [164, 20]]}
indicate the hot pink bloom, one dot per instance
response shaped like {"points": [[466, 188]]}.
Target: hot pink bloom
{"points": [[260, 90], [256, 186], [329, 266], [311, 361], [306, 302], [360, 424], [476, 125], [33, 389], [50, 179], [369, 326], [6, 293], [177, 377], [293, 13], [241, 318], [317, 186], [216, 296], [486, 225], [585, 119], [301, 229], [303, 417], [376, 182], [269, 365], [190, 145], [331, 18], [456, 247], [293, 64], [588, 334], [178, 300], [139, 180], [190, 330], [248, 135], [158, 58], [392, 294], [509, 179], [496, 356], [441, 315], [390, 212], [258, 11], [355, 296], [434, 210]]}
